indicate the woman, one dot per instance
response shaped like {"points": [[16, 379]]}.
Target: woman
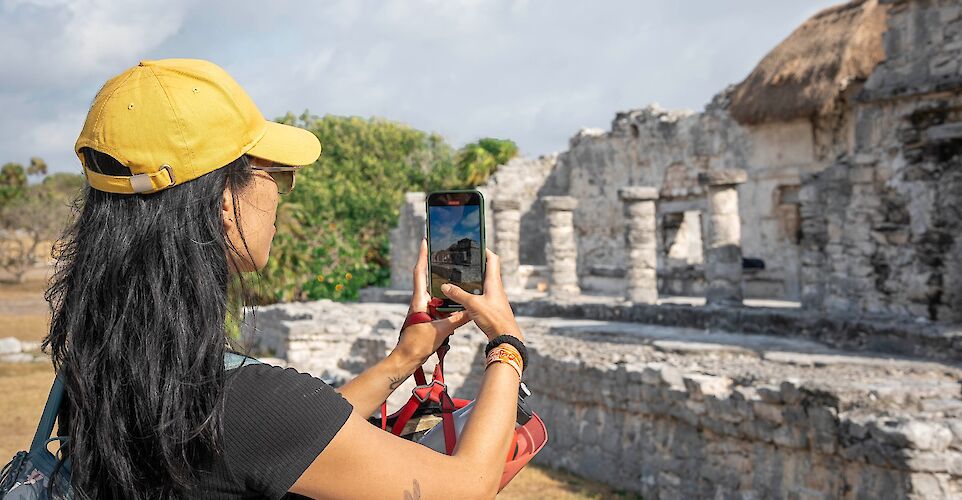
{"points": [[184, 177]]}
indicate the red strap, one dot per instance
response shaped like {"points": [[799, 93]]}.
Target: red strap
{"points": [[433, 305], [404, 415], [415, 318], [435, 391], [447, 420], [422, 394], [384, 415], [419, 376]]}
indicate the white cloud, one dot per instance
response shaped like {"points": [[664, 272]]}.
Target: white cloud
{"points": [[470, 220], [535, 72], [60, 41]]}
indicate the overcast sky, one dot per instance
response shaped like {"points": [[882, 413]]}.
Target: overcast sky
{"points": [[532, 71]]}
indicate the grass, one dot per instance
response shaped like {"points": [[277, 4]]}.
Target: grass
{"points": [[24, 387]]}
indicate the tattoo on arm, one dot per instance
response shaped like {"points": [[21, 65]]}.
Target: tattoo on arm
{"points": [[396, 381], [415, 494]]}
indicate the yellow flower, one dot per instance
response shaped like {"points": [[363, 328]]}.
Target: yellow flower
{"points": [[320, 277], [348, 276], [339, 287]]}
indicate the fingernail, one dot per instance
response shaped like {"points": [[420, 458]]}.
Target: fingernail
{"points": [[445, 287]]}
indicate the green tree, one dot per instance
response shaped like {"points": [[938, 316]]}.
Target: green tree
{"points": [[33, 219], [473, 164], [13, 180], [37, 166], [335, 223], [332, 237]]}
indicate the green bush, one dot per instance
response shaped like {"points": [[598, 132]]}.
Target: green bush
{"points": [[332, 230]]}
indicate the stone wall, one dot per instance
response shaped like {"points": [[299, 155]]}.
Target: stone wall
{"points": [[523, 179], [527, 180], [880, 226], [850, 209], [676, 412]]}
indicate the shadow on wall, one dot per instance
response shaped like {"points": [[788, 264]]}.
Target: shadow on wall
{"points": [[533, 224]]}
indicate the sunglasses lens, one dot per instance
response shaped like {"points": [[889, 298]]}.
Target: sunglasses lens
{"points": [[284, 180]]}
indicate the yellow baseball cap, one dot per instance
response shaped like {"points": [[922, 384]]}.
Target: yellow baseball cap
{"points": [[173, 120]]}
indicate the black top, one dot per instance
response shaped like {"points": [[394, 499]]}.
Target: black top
{"points": [[276, 422]]}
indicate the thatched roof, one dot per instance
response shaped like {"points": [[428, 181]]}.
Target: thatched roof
{"points": [[806, 74]]}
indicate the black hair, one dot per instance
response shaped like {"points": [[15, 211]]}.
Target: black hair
{"points": [[139, 301]]}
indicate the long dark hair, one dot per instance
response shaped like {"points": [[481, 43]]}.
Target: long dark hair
{"points": [[139, 301]]}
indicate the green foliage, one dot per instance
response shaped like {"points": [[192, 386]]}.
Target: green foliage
{"points": [[37, 166], [13, 174], [66, 183], [472, 165], [37, 214], [347, 269], [332, 230], [13, 181]]}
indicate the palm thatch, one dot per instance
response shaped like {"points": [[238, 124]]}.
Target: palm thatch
{"points": [[807, 74]]}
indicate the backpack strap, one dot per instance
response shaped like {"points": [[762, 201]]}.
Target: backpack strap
{"points": [[48, 417], [232, 360]]}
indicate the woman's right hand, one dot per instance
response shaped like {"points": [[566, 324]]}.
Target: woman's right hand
{"points": [[490, 311]]}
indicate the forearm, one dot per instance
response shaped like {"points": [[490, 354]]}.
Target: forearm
{"points": [[369, 389], [487, 434]]}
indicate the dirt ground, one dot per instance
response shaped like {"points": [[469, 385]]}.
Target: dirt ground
{"points": [[24, 387]]}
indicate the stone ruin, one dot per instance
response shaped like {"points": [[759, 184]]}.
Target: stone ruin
{"points": [[761, 300]]}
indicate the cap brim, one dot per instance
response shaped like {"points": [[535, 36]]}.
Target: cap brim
{"points": [[287, 145]]}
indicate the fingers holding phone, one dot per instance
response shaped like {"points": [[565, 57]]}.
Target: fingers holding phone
{"points": [[490, 310], [420, 340], [420, 295]]}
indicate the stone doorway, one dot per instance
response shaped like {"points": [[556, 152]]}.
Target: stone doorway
{"points": [[682, 254]]}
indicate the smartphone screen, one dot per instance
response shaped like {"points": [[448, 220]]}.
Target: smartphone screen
{"points": [[455, 242]]}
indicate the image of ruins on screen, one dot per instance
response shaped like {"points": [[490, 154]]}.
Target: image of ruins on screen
{"points": [[456, 248]]}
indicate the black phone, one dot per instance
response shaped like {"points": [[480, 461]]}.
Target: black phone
{"points": [[455, 234]]}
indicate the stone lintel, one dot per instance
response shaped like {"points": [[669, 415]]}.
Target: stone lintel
{"points": [[944, 132], [638, 193], [499, 204], [560, 203], [727, 177]]}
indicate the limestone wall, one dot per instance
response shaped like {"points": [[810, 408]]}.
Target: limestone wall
{"points": [[676, 412], [668, 150], [853, 210], [528, 180], [880, 226]]}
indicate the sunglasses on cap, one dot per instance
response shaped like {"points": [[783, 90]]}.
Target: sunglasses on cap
{"points": [[283, 176]]}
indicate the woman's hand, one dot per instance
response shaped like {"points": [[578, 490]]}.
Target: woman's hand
{"points": [[491, 310], [419, 341]]}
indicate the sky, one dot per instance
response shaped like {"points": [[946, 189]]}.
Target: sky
{"points": [[453, 223], [534, 72]]}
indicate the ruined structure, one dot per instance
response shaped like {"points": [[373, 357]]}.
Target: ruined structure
{"points": [[880, 226], [831, 177]]}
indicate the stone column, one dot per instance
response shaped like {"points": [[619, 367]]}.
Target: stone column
{"points": [[641, 243], [507, 225], [723, 246], [561, 250], [406, 241]]}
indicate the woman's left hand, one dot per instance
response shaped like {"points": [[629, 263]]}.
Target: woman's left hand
{"points": [[419, 341]]}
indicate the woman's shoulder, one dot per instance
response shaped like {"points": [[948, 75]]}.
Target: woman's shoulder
{"points": [[276, 421], [259, 376], [254, 390]]}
